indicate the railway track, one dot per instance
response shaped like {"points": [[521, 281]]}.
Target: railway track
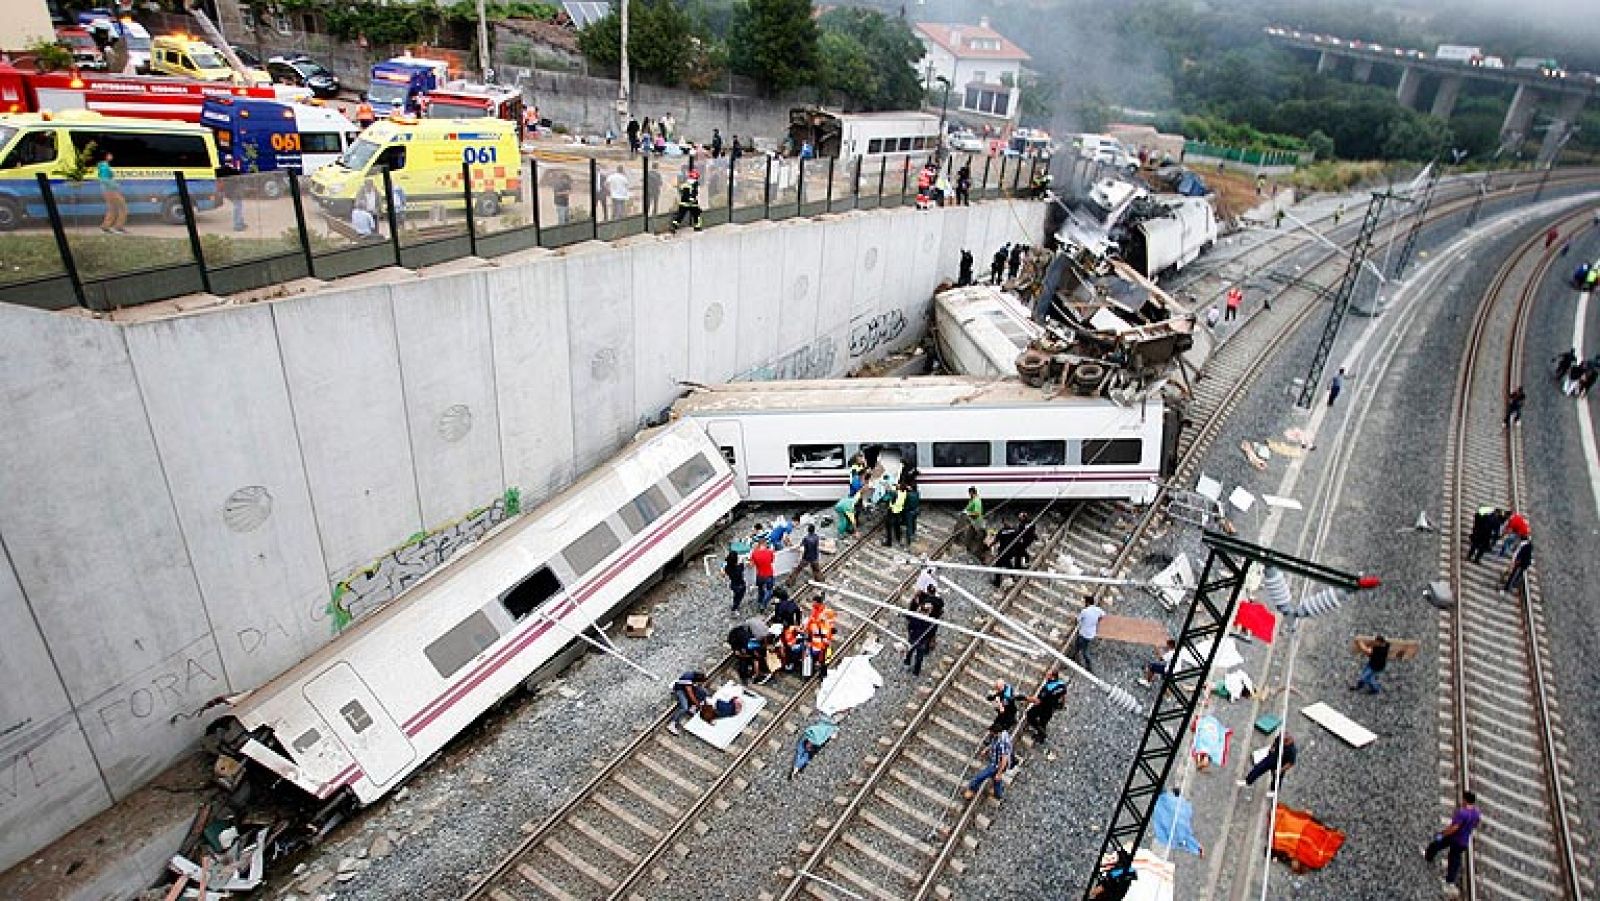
{"points": [[613, 834], [901, 830], [1503, 729]]}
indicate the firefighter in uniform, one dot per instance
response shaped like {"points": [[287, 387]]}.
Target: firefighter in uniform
{"points": [[688, 201], [821, 629]]}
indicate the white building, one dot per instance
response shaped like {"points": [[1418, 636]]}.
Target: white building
{"points": [[984, 68], [26, 22]]}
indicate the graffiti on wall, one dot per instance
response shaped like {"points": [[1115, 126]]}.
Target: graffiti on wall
{"points": [[869, 334], [813, 361], [382, 580]]}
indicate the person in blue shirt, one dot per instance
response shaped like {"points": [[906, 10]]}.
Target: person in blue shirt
{"points": [[111, 192]]}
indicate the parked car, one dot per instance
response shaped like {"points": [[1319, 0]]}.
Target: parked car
{"points": [[85, 52], [966, 142], [304, 72]]}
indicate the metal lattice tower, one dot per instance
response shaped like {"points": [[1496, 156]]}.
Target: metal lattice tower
{"points": [[1342, 295], [1216, 594], [1416, 224]]}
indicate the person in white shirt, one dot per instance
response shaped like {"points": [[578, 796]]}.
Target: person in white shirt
{"points": [[617, 190], [1088, 628], [362, 220], [1161, 666]]}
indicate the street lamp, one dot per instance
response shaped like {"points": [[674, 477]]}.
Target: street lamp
{"points": [[943, 111]]}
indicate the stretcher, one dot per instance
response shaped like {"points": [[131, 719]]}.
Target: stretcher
{"points": [[721, 733]]}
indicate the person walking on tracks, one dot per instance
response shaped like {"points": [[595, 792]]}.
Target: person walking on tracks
{"points": [[821, 630], [1377, 660], [689, 691], [1283, 749], [1045, 702], [1004, 699], [919, 633], [1012, 544], [1455, 837], [1564, 361], [894, 524], [733, 568], [1088, 629], [1514, 402], [976, 529], [811, 552], [1235, 297], [999, 755], [762, 558], [1518, 571], [908, 481], [1335, 386]]}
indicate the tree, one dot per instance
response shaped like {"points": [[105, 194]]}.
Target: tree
{"points": [[774, 42], [869, 57], [660, 40], [1320, 144]]}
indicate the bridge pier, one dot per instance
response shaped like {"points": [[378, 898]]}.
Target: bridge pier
{"points": [[1362, 70], [1326, 62], [1410, 83], [1519, 116], [1571, 106], [1444, 99]]}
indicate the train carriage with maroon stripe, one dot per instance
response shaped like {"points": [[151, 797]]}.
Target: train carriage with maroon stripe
{"points": [[793, 440], [354, 719]]}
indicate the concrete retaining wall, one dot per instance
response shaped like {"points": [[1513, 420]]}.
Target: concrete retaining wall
{"points": [[191, 505]]}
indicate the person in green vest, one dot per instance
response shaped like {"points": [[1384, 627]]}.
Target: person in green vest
{"points": [[977, 530], [894, 525]]}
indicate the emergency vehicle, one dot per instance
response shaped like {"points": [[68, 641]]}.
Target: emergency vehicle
{"points": [[269, 136], [86, 54], [424, 157], [179, 54], [398, 84], [468, 100], [133, 96], [146, 156]]}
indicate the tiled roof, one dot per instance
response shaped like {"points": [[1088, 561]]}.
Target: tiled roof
{"points": [[959, 40]]}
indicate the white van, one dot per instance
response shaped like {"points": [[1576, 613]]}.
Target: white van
{"points": [[1106, 150], [136, 41]]}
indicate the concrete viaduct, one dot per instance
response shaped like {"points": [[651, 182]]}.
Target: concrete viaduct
{"points": [[1562, 98]]}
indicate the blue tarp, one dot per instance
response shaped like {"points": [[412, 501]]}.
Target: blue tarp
{"points": [[1173, 824]]}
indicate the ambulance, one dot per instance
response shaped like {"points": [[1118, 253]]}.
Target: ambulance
{"points": [[424, 158], [179, 54], [146, 154], [269, 136]]}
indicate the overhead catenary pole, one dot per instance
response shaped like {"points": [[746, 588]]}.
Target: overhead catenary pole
{"points": [[622, 74], [483, 45]]}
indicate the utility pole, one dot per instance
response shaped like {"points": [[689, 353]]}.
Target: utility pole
{"points": [[483, 45], [1341, 297], [1422, 215], [622, 89], [1566, 135]]}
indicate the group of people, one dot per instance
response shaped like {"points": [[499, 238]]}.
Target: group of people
{"points": [[1003, 266], [936, 188], [1576, 375], [896, 497], [1508, 534]]}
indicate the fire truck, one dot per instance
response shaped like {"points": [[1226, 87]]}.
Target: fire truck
{"points": [[130, 96], [469, 100]]}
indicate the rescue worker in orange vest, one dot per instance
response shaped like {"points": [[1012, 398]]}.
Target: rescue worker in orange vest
{"points": [[364, 114], [821, 629]]}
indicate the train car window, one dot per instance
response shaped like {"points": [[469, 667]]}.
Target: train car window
{"points": [[455, 649], [644, 509], [1036, 453], [961, 453], [356, 716], [531, 593], [816, 456], [595, 545], [1113, 452], [307, 740], [691, 474]]}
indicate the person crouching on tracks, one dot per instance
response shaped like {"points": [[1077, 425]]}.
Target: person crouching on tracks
{"points": [[821, 630], [1045, 702], [844, 515], [689, 691]]}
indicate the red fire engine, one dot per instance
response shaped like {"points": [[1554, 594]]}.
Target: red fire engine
{"points": [[136, 96]]}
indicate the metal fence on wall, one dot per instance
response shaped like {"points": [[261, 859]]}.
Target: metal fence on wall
{"points": [[257, 230]]}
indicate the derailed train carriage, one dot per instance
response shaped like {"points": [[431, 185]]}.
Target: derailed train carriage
{"points": [[353, 720]]}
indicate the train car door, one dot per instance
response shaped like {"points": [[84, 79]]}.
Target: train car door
{"points": [[360, 722], [728, 436]]}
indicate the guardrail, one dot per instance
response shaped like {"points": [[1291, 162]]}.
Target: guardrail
{"points": [[257, 230]]}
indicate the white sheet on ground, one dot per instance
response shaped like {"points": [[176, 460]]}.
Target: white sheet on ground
{"points": [[1353, 733], [1155, 877], [1228, 655], [850, 683], [1175, 581], [721, 733]]}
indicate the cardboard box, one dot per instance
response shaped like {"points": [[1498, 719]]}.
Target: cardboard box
{"points": [[638, 626]]}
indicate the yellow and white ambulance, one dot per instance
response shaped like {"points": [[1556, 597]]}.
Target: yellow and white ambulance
{"points": [[424, 158]]}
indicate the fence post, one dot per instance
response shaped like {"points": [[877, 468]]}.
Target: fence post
{"points": [[800, 188], [828, 206], [472, 224], [1000, 181], [986, 163], [905, 173], [62, 248], [883, 169], [1016, 176], [594, 203], [766, 192], [300, 222], [193, 230], [533, 185], [733, 168], [391, 214], [645, 193]]}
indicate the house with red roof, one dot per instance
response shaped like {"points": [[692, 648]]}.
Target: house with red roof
{"points": [[983, 66]]}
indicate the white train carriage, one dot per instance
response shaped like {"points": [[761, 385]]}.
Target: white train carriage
{"points": [[792, 441], [377, 702]]}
